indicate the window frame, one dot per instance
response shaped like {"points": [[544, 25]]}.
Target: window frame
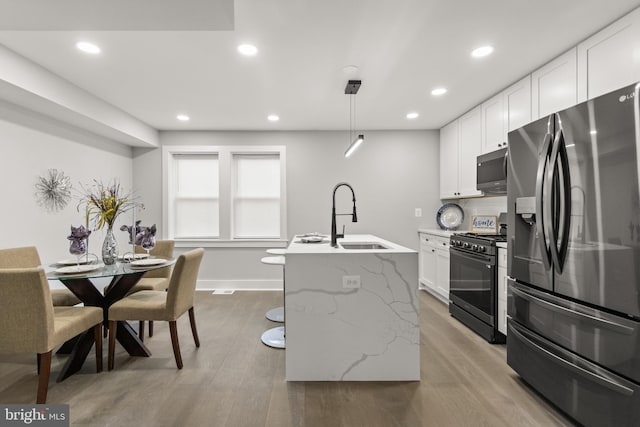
{"points": [[225, 155]]}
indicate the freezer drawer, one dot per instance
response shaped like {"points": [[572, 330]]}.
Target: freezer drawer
{"points": [[588, 393], [606, 339]]}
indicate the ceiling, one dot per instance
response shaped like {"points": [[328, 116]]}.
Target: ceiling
{"points": [[402, 48]]}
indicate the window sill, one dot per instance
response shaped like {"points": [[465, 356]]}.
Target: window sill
{"points": [[244, 243]]}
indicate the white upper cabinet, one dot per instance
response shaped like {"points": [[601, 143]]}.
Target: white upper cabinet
{"points": [[493, 134], [517, 105], [554, 87], [449, 161], [460, 144], [470, 147], [610, 59]]}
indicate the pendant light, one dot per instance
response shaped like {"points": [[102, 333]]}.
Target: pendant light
{"points": [[352, 90]]}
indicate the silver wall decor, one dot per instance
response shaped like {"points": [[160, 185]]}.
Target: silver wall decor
{"points": [[53, 190]]}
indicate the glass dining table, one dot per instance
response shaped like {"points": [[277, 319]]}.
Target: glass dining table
{"points": [[80, 281]]}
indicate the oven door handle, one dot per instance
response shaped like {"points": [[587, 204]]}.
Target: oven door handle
{"points": [[476, 258]]}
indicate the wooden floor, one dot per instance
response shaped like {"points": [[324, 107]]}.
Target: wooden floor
{"points": [[234, 380]]}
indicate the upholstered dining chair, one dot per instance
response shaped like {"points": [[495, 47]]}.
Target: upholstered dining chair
{"points": [[28, 256], [30, 323], [154, 280], [160, 305]]}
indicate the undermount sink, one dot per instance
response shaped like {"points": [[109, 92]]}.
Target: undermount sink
{"points": [[362, 246]]}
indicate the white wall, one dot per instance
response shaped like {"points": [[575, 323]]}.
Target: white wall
{"points": [[30, 145], [392, 173]]}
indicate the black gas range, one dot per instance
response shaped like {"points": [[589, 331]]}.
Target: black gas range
{"points": [[473, 291], [476, 242]]}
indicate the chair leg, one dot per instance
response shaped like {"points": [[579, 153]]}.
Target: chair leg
{"points": [[97, 332], [194, 331], [112, 343], [173, 328], [141, 330], [44, 367], [38, 362], [150, 328]]}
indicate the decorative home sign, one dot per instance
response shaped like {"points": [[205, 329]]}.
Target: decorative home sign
{"points": [[486, 224]]}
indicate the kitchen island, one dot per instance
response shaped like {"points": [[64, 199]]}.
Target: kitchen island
{"points": [[351, 312]]}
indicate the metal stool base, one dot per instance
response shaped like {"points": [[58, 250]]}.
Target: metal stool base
{"points": [[276, 314], [274, 337]]}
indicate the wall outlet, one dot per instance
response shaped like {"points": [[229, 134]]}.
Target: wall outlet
{"points": [[351, 282], [418, 212]]}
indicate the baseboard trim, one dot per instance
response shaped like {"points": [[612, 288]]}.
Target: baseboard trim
{"points": [[240, 285]]}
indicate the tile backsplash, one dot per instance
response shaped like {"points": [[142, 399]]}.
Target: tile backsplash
{"points": [[481, 206]]}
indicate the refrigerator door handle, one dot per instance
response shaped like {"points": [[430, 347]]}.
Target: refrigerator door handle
{"points": [[599, 322], [558, 359], [558, 176], [543, 239]]}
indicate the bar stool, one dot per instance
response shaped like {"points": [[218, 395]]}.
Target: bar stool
{"points": [[276, 314], [274, 337]]}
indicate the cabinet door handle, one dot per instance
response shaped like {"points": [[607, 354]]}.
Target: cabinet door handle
{"points": [[433, 250]]}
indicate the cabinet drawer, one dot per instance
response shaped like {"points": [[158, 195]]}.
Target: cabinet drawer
{"points": [[433, 241]]}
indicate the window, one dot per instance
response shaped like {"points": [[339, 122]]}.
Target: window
{"points": [[256, 196], [224, 195], [196, 201]]}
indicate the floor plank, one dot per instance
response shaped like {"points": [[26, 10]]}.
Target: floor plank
{"points": [[233, 380]]}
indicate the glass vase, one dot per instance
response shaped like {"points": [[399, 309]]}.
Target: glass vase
{"points": [[109, 248]]}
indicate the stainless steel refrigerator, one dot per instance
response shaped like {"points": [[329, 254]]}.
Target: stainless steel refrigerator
{"points": [[574, 258]]}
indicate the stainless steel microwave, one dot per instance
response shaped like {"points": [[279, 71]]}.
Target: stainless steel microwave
{"points": [[492, 172]]}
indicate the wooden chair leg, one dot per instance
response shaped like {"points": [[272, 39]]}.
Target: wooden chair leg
{"points": [[150, 328], [44, 367], [97, 332], [112, 344], [141, 330], [173, 328], [194, 331], [38, 362]]}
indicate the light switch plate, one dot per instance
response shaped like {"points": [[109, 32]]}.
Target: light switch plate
{"points": [[351, 282], [418, 212]]}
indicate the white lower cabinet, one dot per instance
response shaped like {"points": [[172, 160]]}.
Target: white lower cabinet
{"points": [[502, 290], [434, 265]]}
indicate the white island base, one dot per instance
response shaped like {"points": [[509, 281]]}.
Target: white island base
{"points": [[337, 331]]}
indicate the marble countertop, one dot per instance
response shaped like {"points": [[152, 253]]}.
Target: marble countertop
{"points": [[502, 245], [324, 247]]}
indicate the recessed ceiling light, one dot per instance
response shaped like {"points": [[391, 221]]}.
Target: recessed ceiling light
{"points": [[87, 47], [482, 51], [350, 69], [183, 117], [248, 49], [412, 115], [439, 91], [273, 118]]}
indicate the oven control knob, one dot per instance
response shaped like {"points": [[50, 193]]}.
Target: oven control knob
{"points": [[466, 245], [474, 247], [482, 249]]}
